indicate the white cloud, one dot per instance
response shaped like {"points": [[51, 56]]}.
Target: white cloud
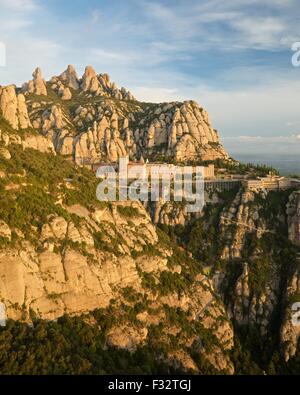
{"points": [[19, 5], [249, 138], [143, 57], [176, 22], [15, 24], [156, 94], [260, 31], [107, 55], [17, 15], [263, 139], [245, 29]]}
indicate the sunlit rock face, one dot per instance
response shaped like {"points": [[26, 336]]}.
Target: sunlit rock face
{"points": [[13, 108], [91, 118]]}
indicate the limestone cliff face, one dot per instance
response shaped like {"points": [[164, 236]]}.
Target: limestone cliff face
{"points": [[293, 211], [257, 290], [250, 308], [13, 108], [91, 119], [237, 222], [59, 280], [79, 267], [102, 140], [191, 134], [38, 142], [240, 219], [55, 126], [167, 213], [263, 281], [290, 328], [173, 214], [179, 131], [26, 140], [268, 281]]}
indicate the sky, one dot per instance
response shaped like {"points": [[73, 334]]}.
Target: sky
{"points": [[233, 56]]}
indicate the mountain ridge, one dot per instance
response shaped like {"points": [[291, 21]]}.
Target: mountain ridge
{"points": [[208, 293], [90, 118]]}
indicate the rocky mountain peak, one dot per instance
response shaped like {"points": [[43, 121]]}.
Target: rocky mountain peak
{"points": [[37, 85], [89, 72], [13, 108], [107, 122], [101, 85], [69, 76], [37, 74], [90, 82], [105, 78]]}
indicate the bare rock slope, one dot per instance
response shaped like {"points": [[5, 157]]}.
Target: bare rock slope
{"points": [[63, 252], [91, 119]]}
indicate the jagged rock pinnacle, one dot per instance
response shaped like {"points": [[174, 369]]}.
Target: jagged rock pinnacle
{"points": [[37, 85], [13, 108], [69, 76]]}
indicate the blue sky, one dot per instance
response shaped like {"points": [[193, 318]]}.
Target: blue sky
{"points": [[233, 56]]}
